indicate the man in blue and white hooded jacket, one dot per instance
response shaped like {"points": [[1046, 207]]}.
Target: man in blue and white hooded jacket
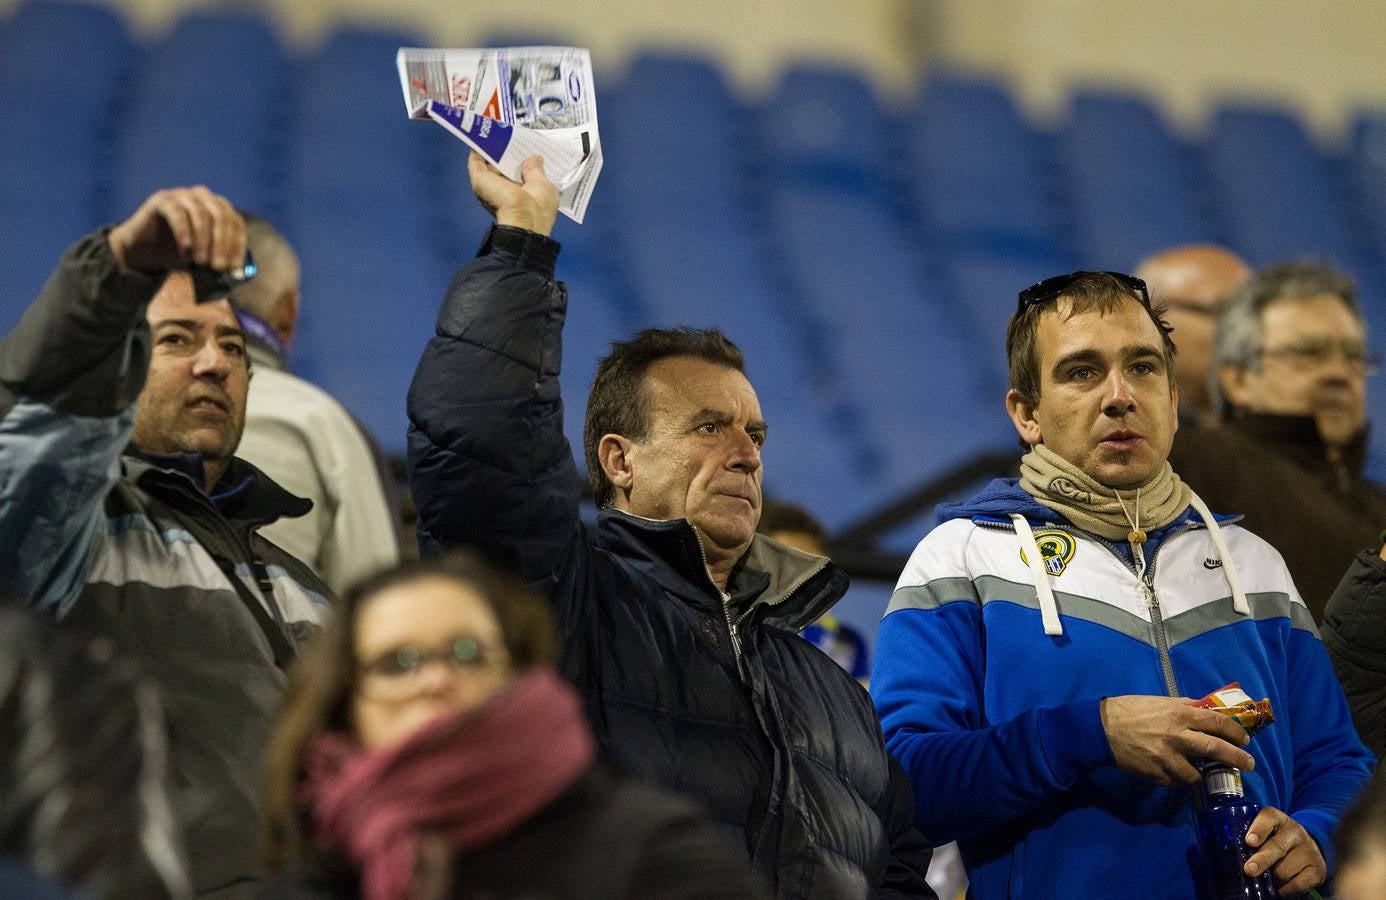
{"points": [[1035, 665]]}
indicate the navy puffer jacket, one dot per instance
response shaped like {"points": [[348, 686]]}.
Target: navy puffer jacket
{"points": [[788, 759]]}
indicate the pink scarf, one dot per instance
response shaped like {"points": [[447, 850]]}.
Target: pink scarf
{"points": [[469, 779]]}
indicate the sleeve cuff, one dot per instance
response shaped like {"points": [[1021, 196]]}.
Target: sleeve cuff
{"points": [[123, 291], [1073, 739], [523, 249]]}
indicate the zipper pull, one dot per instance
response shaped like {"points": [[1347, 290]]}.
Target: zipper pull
{"points": [[1148, 592]]}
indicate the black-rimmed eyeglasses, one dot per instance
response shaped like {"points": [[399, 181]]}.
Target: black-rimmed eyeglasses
{"points": [[1050, 288]]}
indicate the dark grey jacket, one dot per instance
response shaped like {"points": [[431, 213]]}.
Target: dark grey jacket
{"points": [[127, 545], [723, 702], [1354, 633]]}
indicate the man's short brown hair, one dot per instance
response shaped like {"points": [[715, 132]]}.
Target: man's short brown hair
{"points": [[618, 403], [1096, 291]]}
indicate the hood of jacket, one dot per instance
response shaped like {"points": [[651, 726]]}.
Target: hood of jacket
{"points": [[1003, 497]]}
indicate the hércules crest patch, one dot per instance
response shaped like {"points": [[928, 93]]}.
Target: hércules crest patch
{"points": [[1057, 548]]}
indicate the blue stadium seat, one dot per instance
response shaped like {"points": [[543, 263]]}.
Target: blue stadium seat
{"points": [[1368, 168], [1132, 186], [674, 137], [209, 107], [52, 50], [1278, 196], [825, 125], [898, 353], [35, 228], [682, 277], [981, 175], [983, 287], [364, 207], [370, 301], [62, 71], [595, 319], [353, 151]]}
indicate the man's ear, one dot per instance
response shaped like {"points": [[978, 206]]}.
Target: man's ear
{"points": [[1022, 413], [614, 456], [285, 322]]}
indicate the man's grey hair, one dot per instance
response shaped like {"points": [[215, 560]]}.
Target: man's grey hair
{"points": [[1237, 342], [278, 270]]}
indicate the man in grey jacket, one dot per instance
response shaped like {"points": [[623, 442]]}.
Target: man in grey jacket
{"points": [[136, 520]]}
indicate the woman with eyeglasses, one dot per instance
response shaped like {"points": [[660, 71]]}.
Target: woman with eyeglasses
{"points": [[428, 748]]}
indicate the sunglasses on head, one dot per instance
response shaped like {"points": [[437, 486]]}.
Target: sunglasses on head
{"points": [[1049, 288]]}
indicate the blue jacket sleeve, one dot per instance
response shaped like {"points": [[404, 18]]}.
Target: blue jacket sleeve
{"points": [[488, 463], [69, 376], [970, 776], [1331, 765]]}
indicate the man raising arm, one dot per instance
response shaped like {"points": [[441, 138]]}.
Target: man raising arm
{"points": [[679, 622], [135, 520]]}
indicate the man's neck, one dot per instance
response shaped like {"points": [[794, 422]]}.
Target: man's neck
{"points": [[720, 560], [720, 573]]}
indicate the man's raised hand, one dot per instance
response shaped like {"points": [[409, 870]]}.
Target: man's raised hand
{"points": [[179, 227], [1158, 737], [531, 205]]}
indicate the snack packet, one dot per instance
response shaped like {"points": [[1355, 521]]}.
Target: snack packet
{"points": [[1237, 705]]}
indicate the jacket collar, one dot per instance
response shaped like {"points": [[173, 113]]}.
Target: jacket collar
{"points": [[1297, 437], [243, 494], [786, 587]]}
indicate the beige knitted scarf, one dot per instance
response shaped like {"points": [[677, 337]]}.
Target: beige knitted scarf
{"points": [[1092, 506]]}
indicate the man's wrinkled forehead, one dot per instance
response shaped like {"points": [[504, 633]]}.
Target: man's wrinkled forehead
{"points": [[688, 382]]}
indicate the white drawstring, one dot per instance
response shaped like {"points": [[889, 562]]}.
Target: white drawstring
{"points": [[1229, 568], [1136, 536], [1049, 607]]}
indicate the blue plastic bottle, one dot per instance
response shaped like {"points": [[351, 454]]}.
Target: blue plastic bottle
{"points": [[1222, 825]]}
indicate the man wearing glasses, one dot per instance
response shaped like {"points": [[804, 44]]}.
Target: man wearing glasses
{"points": [[1034, 666], [1291, 363]]}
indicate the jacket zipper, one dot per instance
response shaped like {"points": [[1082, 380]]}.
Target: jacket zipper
{"points": [[725, 603], [1145, 576]]}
